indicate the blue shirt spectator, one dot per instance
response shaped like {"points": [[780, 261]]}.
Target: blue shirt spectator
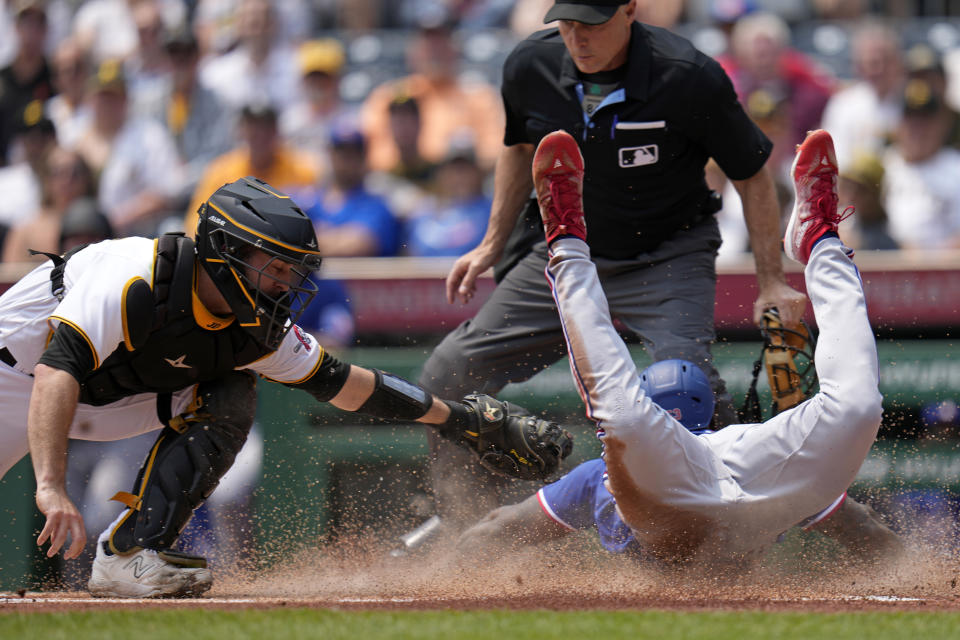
{"points": [[450, 230], [350, 220], [357, 210], [454, 220]]}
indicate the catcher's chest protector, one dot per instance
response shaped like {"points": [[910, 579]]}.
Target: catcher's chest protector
{"points": [[171, 350]]}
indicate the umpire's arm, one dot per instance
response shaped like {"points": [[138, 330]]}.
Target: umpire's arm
{"points": [[512, 184], [761, 212]]}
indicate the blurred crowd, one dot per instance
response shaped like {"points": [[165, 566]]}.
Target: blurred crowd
{"points": [[383, 119]]}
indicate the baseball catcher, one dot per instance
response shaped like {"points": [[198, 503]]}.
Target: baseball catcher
{"points": [[726, 495], [133, 335]]}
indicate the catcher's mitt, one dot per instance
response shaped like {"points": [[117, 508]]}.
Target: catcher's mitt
{"points": [[510, 442], [787, 355]]}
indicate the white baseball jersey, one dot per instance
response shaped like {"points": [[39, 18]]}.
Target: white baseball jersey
{"points": [[731, 493], [95, 281]]}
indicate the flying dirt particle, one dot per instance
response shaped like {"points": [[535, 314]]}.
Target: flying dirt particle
{"points": [[519, 579], [953, 583], [21, 592]]}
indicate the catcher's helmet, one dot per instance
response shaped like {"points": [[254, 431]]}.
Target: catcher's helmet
{"points": [[682, 389], [249, 215]]}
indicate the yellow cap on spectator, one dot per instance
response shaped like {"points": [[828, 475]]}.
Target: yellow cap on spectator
{"points": [[866, 169], [321, 56], [109, 77]]}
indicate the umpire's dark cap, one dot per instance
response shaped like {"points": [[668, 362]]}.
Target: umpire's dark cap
{"points": [[585, 11]]}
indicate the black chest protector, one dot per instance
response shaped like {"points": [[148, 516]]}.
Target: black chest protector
{"points": [[170, 350]]}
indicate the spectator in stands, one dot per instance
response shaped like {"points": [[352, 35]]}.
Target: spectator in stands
{"points": [[447, 103], [107, 29], [69, 109], [922, 192], [860, 187], [20, 183], [769, 109], [83, 223], [922, 62], [761, 57], [262, 154], [215, 22], [147, 65], [350, 220], [306, 123], [406, 126], [193, 115], [139, 173], [455, 218], [28, 76], [8, 34], [862, 116], [405, 186], [66, 179], [260, 68], [840, 9]]}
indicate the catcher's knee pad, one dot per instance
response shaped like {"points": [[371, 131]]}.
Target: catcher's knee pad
{"points": [[186, 463]]}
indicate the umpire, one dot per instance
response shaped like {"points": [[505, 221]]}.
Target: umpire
{"points": [[648, 110]]}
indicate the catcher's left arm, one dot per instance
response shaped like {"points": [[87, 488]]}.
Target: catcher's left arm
{"points": [[506, 439]]}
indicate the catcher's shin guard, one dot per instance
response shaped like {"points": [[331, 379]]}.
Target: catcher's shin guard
{"points": [[186, 464]]}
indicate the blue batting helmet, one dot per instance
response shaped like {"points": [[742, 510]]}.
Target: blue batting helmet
{"points": [[681, 388]]}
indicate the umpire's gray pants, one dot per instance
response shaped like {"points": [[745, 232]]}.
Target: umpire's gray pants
{"points": [[665, 296]]}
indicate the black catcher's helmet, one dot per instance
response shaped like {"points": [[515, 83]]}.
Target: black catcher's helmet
{"points": [[249, 215]]}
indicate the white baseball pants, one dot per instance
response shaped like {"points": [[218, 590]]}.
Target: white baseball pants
{"points": [[752, 481]]}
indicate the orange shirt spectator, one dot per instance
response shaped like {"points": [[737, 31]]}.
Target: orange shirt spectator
{"points": [[261, 155], [447, 105]]}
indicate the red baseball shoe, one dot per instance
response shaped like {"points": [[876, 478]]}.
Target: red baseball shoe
{"points": [[815, 208], [558, 179]]}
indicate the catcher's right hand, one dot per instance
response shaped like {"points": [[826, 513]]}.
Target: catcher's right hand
{"points": [[510, 442]]}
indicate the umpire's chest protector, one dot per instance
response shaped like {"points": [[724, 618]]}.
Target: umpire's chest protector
{"points": [[171, 348]]}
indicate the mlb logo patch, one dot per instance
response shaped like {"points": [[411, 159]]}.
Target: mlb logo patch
{"points": [[639, 156]]}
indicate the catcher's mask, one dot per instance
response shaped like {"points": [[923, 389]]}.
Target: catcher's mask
{"points": [[259, 249], [682, 389]]}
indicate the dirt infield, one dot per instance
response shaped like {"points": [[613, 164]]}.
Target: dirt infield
{"points": [[558, 578]]}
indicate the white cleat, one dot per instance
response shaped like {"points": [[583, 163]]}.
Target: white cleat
{"points": [[148, 574]]}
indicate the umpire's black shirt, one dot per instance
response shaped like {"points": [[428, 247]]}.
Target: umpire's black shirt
{"points": [[646, 145]]}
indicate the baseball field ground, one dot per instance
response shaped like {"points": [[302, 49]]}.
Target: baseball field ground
{"points": [[567, 590]]}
